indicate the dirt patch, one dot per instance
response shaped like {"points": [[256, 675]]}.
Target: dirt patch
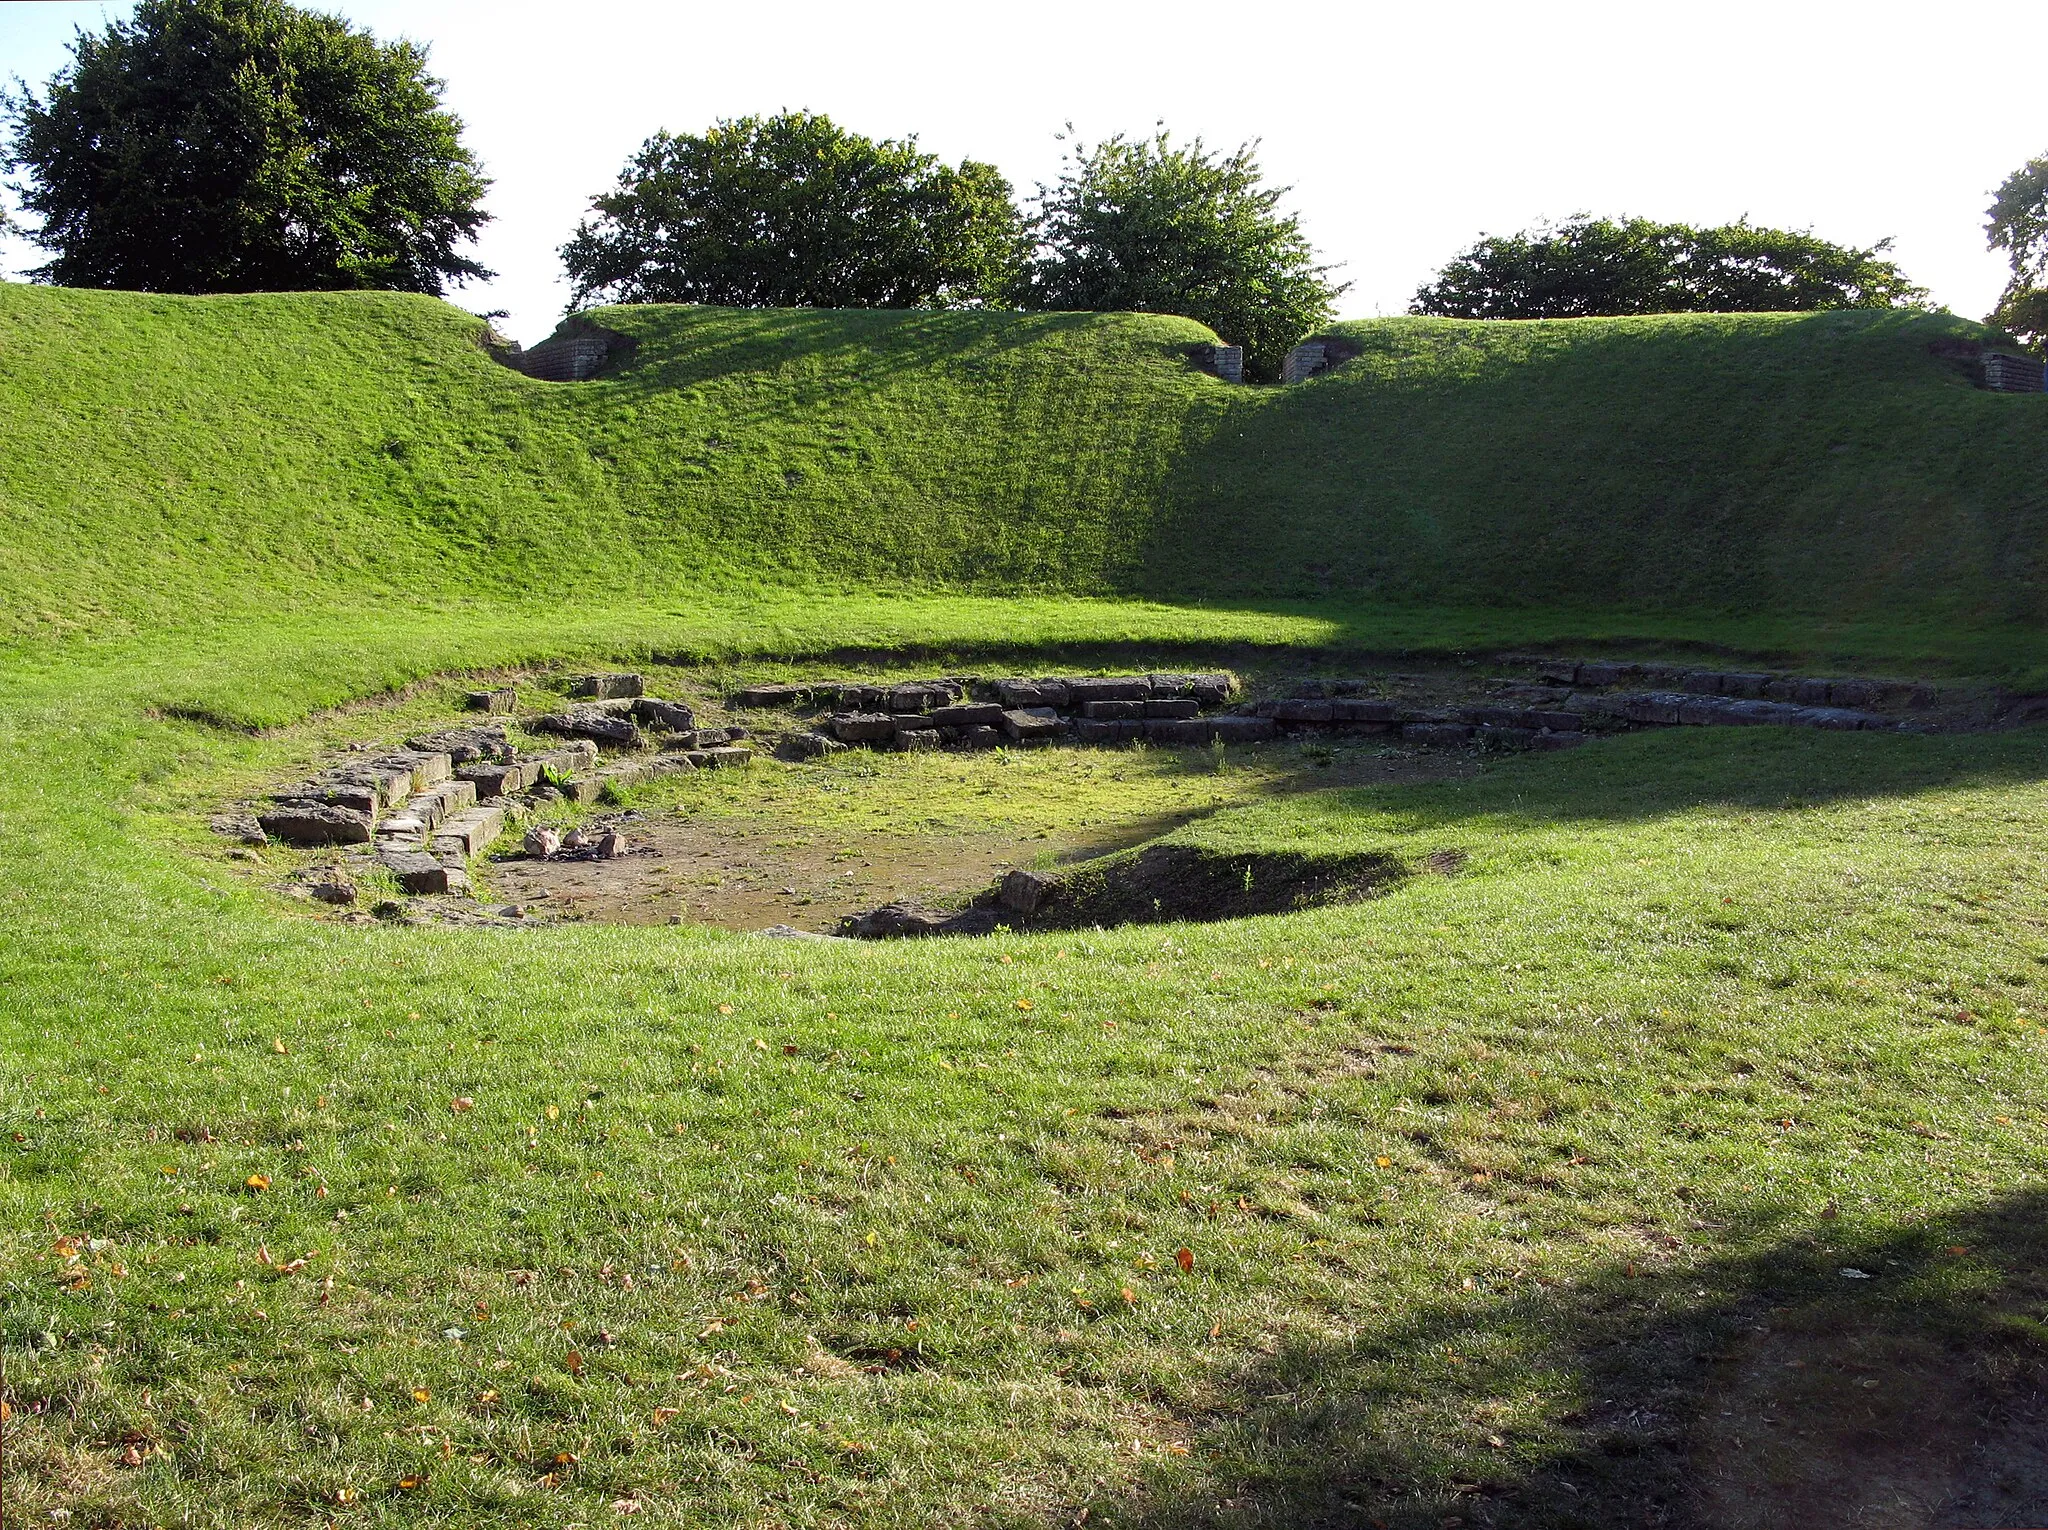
{"points": [[749, 876], [1864, 1428], [809, 845]]}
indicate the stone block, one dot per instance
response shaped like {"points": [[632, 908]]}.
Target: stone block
{"points": [[605, 687], [465, 745], [357, 796], [1437, 733], [1242, 730], [1833, 717], [806, 745], [1172, 707], [590, 723], [1304, 709], [1021, 892], [404, 825], [967, 714], [1557, 722], [1743, 683], [469, 832], [772, 696], [1106, 710], [1088, 688], [922, 696], [569, 758], [863, 727], [1028, 726], [500, 702], [1853, 693], [1557, 740], [418, 872], [1703, 711], [1361, 710], [1781, 688], [667, 716], [729, 756], [1505, 736], [1176, 731], [1810, 693], [1089, 730], [1605, 674], [392, 783], [315, 823], [491, 778], [912, 740], [1558, 672], [979, 736]]}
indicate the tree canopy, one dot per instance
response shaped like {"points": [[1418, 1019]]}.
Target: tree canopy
{"points": [[1596, 266], [1144, 225], [245, 146], [2017, 223], [794, 211]]}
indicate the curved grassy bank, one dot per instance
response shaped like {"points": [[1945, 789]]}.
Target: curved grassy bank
{"points": [[1775, 480]]}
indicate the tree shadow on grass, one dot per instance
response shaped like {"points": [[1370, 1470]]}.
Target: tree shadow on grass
{"points": [[1766, 1389]]}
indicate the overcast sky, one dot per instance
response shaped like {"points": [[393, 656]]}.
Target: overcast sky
{"points": [[1405, 130]]}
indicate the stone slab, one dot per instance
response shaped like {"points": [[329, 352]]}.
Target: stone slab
{"points": [[730, 756], [966, 714], [1176, 730], [501, 701], [910, 740], [1304, 709], [1092, 730], [588, 722], [1355, 709], [1243, 730], [418, 872], [666, 716], [863, 727], [1085, 688], [1172, 707], [1028, 726], [470, 831], [315, 823], [772, 696], [605, 687], [1110, 709]]}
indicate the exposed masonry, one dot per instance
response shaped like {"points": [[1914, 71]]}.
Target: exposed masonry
{"points": [[448, 796]]}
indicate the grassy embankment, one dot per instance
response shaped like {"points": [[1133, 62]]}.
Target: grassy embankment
{"points": [[1534, 1178]]}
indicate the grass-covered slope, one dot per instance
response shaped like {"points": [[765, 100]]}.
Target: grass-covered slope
{"points": [[166, 456]]}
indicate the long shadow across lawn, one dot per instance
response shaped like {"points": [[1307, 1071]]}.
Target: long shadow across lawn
{"points": [[1767, 1389]]}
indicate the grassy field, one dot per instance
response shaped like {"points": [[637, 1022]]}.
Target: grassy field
{"points": [[1525, 1194]]}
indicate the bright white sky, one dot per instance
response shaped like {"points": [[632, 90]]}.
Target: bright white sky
{"points": [[1406, 130]]}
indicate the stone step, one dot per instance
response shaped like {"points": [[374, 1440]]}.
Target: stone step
{"points": [[471, 830]]}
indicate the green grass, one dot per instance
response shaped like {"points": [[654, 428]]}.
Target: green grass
{"points": [[1497, 1191], [1815, 486]]}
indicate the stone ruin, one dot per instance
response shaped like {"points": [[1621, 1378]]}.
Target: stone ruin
{"points": [[446, 796]]}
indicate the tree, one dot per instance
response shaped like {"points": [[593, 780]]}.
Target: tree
{"points": [[793, 211], [245, 146], [2017, 223], [1587, 266], [1143, 225]]}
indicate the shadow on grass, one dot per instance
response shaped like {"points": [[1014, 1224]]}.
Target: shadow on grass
{"points": [[1655, 774], [1767, 1389]]}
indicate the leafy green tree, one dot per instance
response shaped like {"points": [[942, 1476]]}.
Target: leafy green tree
{"points": [[245, 146], [1142, 225], [1588, 266], [2017, 223], [793, 211]]}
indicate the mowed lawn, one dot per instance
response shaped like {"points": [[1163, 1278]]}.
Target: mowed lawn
{"points": [[1527, 1194]]}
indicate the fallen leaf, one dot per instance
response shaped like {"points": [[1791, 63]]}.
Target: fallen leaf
{"points": [[132, 1456], [420, 1394], [277, 1045], [663, 1415], [1185, 1258], [461, 1103], [574, 1360], [625, 1506], [258, 1182], [487, 1397], [411, 1484]]}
